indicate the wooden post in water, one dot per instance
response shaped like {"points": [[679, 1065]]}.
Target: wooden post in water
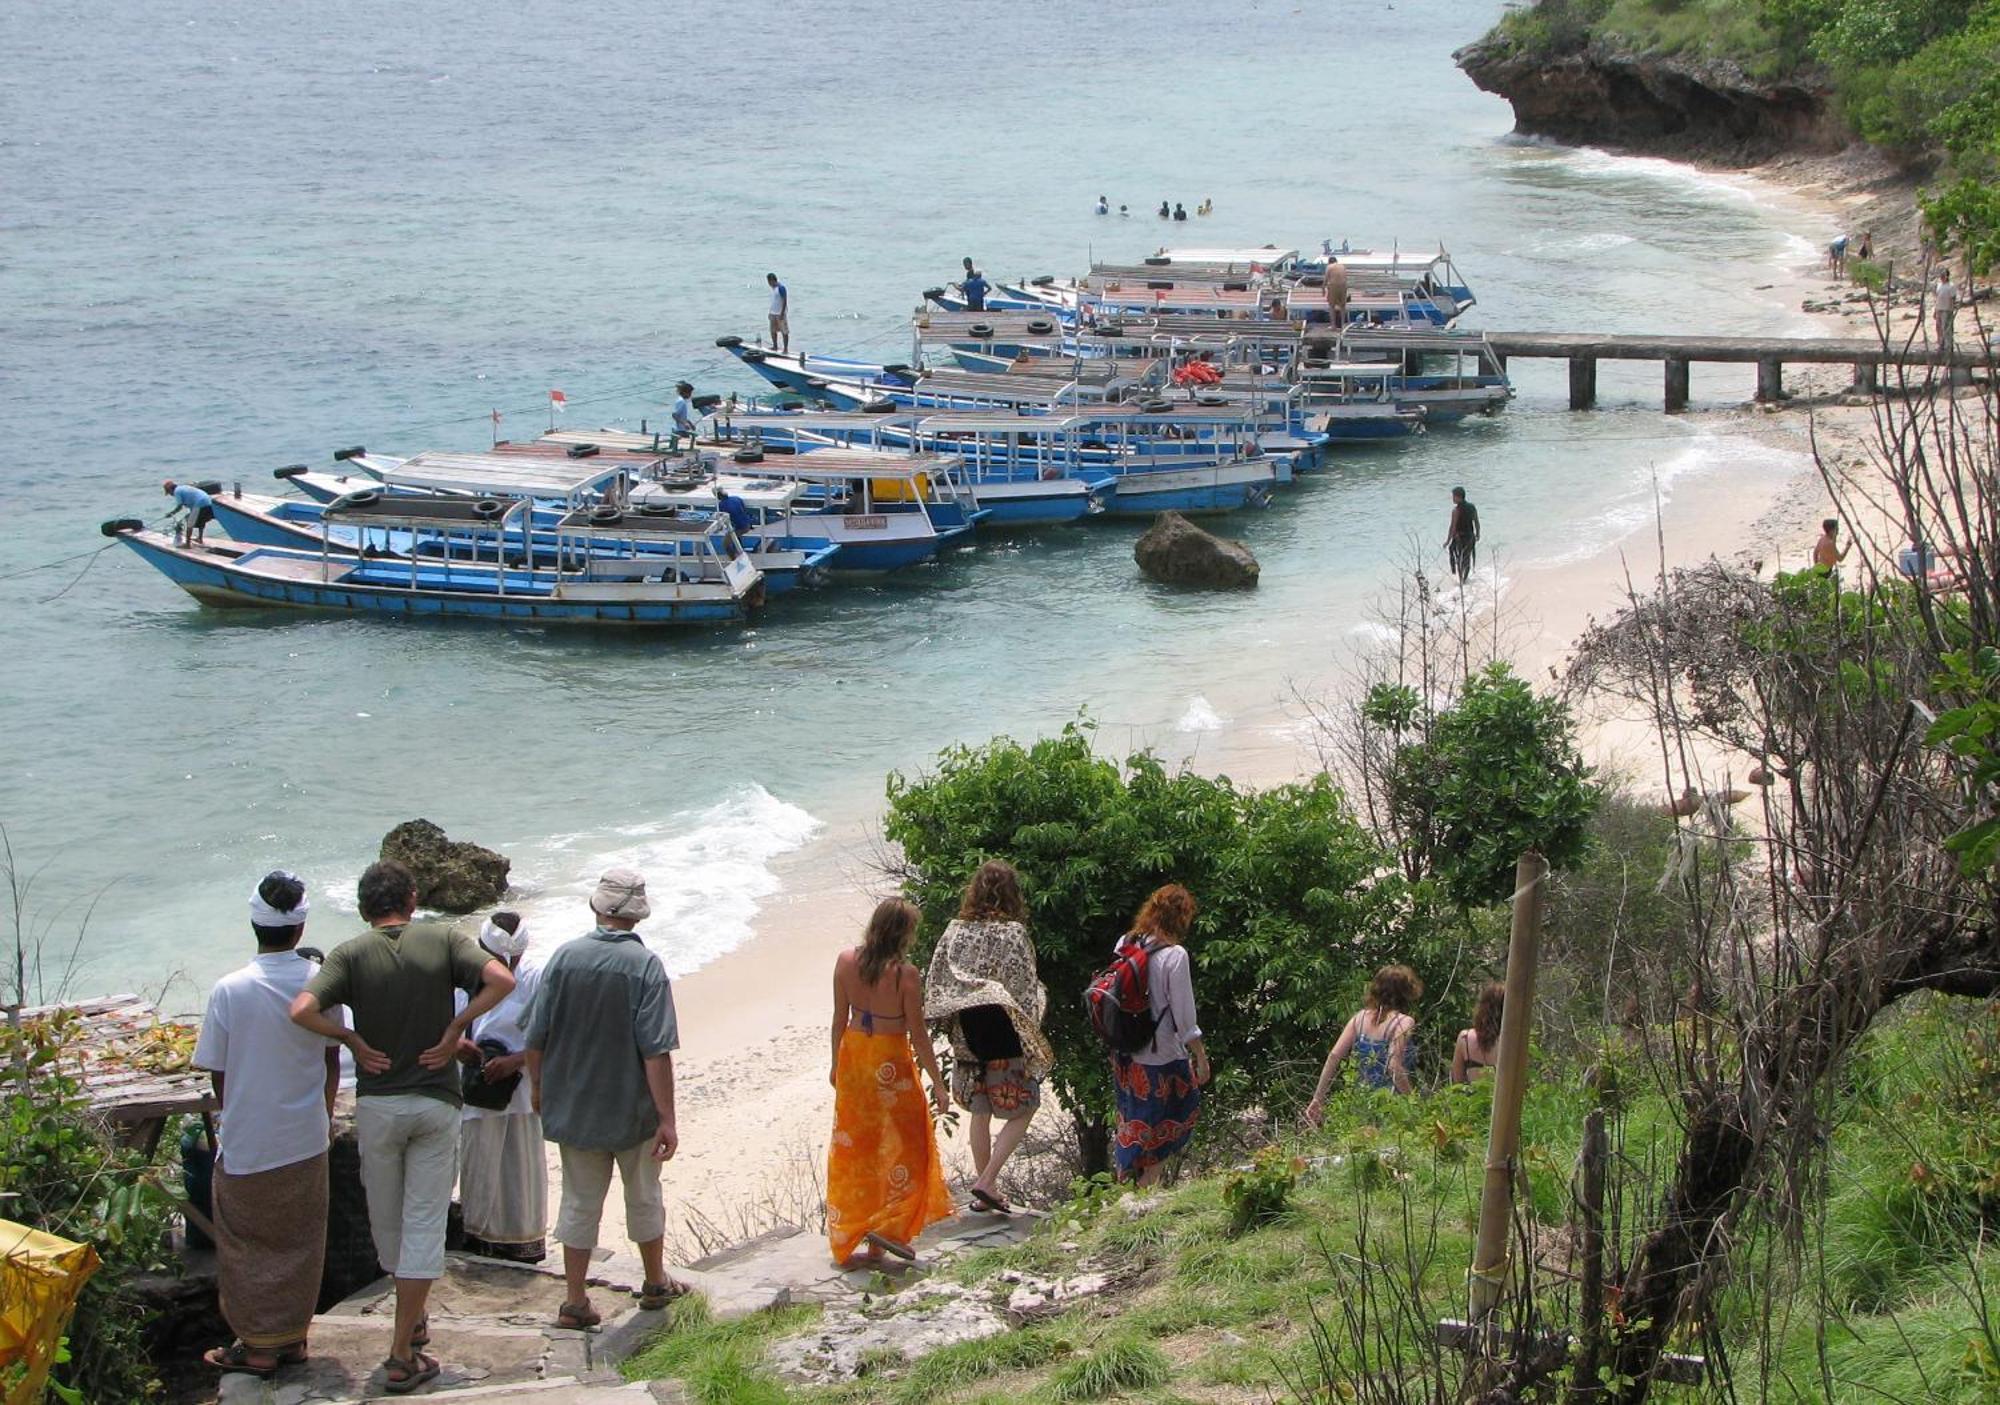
{"points": [[1490, 1265], [1677, 383], [1582, 382]]}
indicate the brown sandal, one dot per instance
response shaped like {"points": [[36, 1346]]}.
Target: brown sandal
{"points": [[402, 1377], [892, 1246], [654, 1296], [578, 1319], [234, 1359]]}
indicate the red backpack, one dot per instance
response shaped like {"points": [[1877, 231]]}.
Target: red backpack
{"points": [[1119, 999]]}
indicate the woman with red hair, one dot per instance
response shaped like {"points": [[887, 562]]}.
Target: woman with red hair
{"points": [[1159, 1087]]}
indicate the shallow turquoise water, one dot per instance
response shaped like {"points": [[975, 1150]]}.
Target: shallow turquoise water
{"points": [[232, 240]]}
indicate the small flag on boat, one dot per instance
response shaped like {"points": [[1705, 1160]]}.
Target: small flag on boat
{"points": [[496, 417], [558, 401]]}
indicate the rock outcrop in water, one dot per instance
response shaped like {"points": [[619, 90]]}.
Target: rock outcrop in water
{"points": [[1599, 94], [1177, 552], [452, 876]]}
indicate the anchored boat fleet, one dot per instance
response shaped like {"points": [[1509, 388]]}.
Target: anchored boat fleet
{"points": [[1197, 381]]}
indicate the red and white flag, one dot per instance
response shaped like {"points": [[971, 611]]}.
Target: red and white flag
{"points": [[496, 418], [558, 402]]}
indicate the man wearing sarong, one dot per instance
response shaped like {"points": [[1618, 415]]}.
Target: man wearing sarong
{"points": [[601, 1040], [275, 1084], [503, 1171], [397, 980]]}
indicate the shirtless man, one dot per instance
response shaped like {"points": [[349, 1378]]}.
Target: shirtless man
{"points": [[1461, 538], [1828, 553], [1336, 293]]}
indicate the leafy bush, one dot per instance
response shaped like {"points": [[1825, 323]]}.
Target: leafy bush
{"points": [[1262, 1193], [1298, 901], [62, 1172]]}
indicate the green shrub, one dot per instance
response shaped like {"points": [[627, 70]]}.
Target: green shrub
{"points": [[1119, 1365], [1261, 1194]]}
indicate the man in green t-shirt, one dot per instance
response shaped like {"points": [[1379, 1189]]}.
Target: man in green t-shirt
{"points": [[397, 981]]}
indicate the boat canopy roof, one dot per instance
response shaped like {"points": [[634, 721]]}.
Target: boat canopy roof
{"points": [[371, 507], [498, 475], [1000, 422], [1442, 339], [1269, 256], [1349, 369], [763, 494], [844, 465], [1395, 263], [638, 523], [622, 440], [812, 421]]}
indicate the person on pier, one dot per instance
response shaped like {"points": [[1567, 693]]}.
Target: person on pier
{"points": [[398, 980], [503, 1171], [1461, 538], [884, 1183], [601, 1041], [275, 1084], [982, 987]]}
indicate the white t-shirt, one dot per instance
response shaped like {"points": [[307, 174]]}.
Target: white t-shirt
{"points": [[778, 301], [508, 1023], [274, 1073]]}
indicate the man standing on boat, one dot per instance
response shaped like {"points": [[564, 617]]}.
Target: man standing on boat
{"points": [[1336, 293], [781, 314], [974, 286], [199, 506], [683, 417], [1461, 541]]}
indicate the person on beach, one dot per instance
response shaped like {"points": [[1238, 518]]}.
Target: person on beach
{"points": [[683, 411], [975, 288], [397, 980], [1472, 1057], [1944, 308], [781, 313], [1866, 249], [601, 1040], [199, 506], [1336, 293], [1828, 552], [1836, 255], [503, 1173], [1461, 537], [883, 1180], [275, 1084], [1379, 1038], [983, 989], [1158, 1089]]}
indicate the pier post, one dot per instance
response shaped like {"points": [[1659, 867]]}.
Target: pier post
{"points": [[1582, 382], [1677, 383], [1866, 374], [1770, 379]]}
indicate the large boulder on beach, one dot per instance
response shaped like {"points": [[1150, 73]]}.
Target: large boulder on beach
{"points": [[452, 875], [1177, 552]]}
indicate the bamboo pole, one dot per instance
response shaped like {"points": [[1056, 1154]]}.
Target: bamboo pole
{"points": [[1490, 1262]]}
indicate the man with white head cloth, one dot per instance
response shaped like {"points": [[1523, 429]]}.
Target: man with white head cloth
{"points": [[503, 1172], [275, 1083]]}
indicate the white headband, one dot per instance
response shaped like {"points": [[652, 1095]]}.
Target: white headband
{"points": [[264, 915], [501, 942]]}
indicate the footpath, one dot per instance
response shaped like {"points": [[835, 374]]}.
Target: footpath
{"points": [[493, 1324]]}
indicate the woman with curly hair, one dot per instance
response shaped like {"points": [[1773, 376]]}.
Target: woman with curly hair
{"points": [[883, 1180], [1159, 1087], [1473, 1056], [982, 988], [1378, 1036]]}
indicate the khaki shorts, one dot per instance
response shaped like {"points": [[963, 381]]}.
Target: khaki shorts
{"points": [[999, 1088], [586, 1180]]}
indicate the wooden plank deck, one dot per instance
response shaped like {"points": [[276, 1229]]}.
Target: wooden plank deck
{"points": [[127, 1080]]}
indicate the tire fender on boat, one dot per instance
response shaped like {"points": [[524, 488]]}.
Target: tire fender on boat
{"points": [[748, 456], [1047, 280], [706, 402], [981, 329], [581, 451], [343, 455], [754, 356], [489, 508], [288, 472], [1155, 407], [119, 526], [878, 407], [933, 293], [361, 498], [605, 517], [1041, 326], [729, 343]]}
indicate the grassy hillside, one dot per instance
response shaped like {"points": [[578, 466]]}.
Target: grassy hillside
{"points": [[1887, 1295]]}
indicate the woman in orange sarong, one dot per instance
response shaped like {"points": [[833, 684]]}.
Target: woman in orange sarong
{"points": [[883, 1180]]}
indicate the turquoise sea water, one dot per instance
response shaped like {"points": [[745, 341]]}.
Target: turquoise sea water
{"points": [[238, 237]]}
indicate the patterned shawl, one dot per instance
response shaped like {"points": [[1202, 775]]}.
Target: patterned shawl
{"points": [[982, 962]]}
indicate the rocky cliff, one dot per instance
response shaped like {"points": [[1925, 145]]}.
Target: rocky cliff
{"points": [[1600, 95]]}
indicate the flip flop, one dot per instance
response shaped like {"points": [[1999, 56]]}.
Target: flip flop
{"points": [[234, 1359], [991, 1202], [893, 1246], [654, 1296], [402, 1377], [578, 1319]]}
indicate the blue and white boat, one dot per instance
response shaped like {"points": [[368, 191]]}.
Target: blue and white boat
{"points": [[696, 574]]}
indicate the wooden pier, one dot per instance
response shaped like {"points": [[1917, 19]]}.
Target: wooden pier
{"points": [[1583, 350]]}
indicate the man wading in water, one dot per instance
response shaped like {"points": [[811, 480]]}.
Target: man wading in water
{"points": [[1461, 539]]}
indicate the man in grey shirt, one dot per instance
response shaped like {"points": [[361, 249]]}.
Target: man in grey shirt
{"points": [[600, 1042]]}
